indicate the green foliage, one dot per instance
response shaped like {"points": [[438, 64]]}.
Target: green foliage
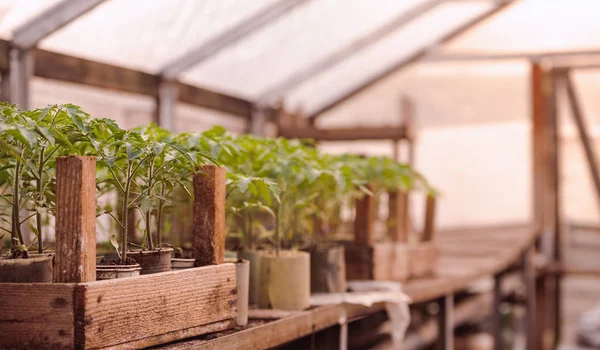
{"points": [[279, 191]]}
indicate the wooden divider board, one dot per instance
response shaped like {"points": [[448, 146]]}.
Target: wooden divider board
{"points": [[140, 310], [126, 312], [36, 315]]}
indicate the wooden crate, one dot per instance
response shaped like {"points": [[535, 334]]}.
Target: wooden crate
{"points": [[397, 260], [390, 261], [133, 312], [78, 312]]}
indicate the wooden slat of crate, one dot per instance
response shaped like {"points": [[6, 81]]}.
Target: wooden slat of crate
{"points": [[151, 309], [38, 315]]}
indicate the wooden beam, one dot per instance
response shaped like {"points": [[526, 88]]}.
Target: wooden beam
{"points": [[590, 153], [392, 132], [370, 39], [530, 56], [51, 65], [205, 98], [416, 56], [27, 35], [4, 55], [217, 43], [21, 69]]}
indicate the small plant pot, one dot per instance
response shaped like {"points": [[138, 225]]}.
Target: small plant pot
{"points": [[284, 280], [152, 261], [38, 268], [108, 272], [253, 256], [242, 268], [182, 263], [328, 269]]}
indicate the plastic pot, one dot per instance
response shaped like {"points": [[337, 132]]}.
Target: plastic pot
{"points": [[284, 280], [38, 268], [152, 261], [182, 263], [253, 256], [107, 272]]}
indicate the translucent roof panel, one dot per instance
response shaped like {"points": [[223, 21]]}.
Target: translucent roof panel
{"points": [[146, 35], [304, 36], [357, 69], [13, 13], [534, 26]]}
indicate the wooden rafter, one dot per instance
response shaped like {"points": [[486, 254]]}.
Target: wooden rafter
{"points": [[354, 47], [416, 56], [39, 27], [217, 43], [532, 56], [56, 66]]}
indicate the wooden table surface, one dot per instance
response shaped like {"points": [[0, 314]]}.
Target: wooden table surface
{"points": [[466, 255]]}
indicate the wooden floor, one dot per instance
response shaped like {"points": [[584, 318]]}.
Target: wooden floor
{"points": [[466, 255]]}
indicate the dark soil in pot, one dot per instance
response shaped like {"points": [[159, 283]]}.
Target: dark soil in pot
{"points": [[35, 269], [158, 260]]}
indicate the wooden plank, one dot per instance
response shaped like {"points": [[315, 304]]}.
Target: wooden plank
{"points": [[429, 226], [200, 97], [38, 27], [146, 309], [364, 229], [416, 56], [4, 55], [36, 315], [75, 259], [390, 132], [209, 216], [399, 220], [56, 66]]}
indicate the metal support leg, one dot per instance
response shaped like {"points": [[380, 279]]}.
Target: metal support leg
{"points": [[446, 323], [165, 104], [497, 317], [530, 306], [21, 69]]}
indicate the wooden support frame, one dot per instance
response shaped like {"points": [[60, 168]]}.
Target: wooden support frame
{"points": [[371, 38], [577, 114], [133, 312], [56, 66], [416, 56], [217, 43]]}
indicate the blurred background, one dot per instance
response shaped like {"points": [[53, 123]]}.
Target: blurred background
{"points": [[459, 71]]}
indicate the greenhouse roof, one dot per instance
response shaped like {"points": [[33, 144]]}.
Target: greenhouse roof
{"points": [[309, 53]]}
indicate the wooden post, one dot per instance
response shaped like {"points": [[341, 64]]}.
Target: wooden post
{"points": [[399, 221], [363, 222], [75, 259], [429, 226], [209, 216]]}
